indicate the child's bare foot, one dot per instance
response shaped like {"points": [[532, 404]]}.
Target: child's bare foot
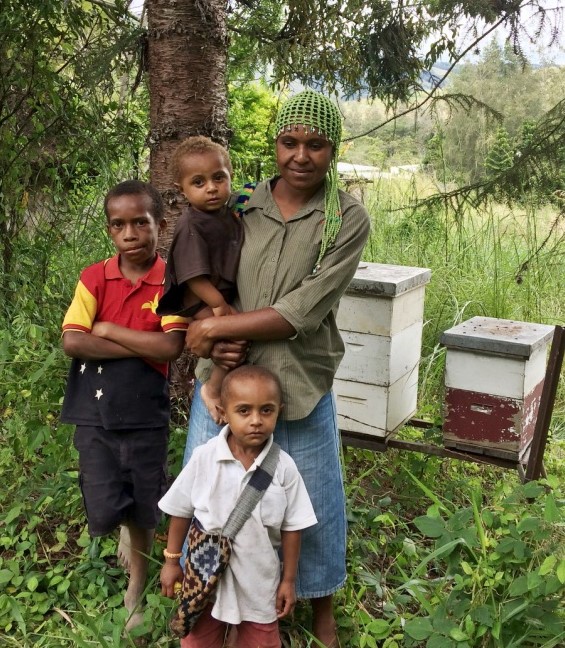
{"points": [[134, 620], [132, 603], [124, 548], [212, 401]]}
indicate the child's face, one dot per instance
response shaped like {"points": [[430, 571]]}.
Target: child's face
{"points": [[133, 229], [205, 181], [251, 409]]}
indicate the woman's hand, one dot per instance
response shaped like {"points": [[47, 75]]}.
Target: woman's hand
{"points": [[197, 340], [229, 354]]}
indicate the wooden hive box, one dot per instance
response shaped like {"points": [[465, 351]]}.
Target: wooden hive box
{"points": [[380, 318], [494, 373]]}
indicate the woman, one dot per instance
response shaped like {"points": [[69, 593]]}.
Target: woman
{"points": [[303, 242]]}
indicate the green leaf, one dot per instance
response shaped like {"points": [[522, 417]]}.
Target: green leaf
{"points": [[513, 608], [534, 580], [519, 586], [32, 583], [430, 527], [445, 549], [466, 567], [469, 626], [47, 363], [439, 641], [532, 489], [379, 628], [154, 599], [560, 571], [418, 628], [12, 514], [547, 565], [458, 635], [551, 512], [434, 498], [409, 547], [5, 576], [552, 585], [63, 586], [528, 524]]}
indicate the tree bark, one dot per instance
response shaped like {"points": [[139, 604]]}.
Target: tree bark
{"points": [[186, 61]]}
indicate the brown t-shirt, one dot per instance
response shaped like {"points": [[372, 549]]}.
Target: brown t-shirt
{"points": [[204, 244]]}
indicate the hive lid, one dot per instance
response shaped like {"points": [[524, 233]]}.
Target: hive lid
{"points": [[492, 335], [387, 280]]}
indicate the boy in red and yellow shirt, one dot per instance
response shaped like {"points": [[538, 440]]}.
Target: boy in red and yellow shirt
{"points": [[117, 390]]}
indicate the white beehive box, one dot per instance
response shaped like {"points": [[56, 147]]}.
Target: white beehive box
{"points": [[494, 373], [380, 318]]}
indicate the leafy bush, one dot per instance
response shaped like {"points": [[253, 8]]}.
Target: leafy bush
{"points": [[486, 570]]}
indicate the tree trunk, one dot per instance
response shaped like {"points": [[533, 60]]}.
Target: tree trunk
{"points": [[186, 58]]}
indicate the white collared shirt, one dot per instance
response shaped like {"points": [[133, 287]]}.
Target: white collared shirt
{"points": [[207, 488]]}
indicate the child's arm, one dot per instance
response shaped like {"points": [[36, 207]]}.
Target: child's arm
{"points": [[153, 345], [205, 290], [86, 346], [171, 571], [286, 594]]}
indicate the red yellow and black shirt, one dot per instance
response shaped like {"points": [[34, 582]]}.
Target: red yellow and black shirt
{"points": [[122, 393]]}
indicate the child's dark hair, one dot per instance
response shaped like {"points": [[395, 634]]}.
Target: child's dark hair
{"points": [[137, 187], [250, 371], [196, 145]]}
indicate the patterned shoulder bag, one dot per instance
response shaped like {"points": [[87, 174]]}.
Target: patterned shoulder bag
{"points": [[209, 553]]}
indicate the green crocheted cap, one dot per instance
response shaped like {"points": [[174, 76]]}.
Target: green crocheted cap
{"points": [[309, 108], [317, 114]]}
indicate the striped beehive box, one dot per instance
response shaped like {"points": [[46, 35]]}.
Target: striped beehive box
{"points": [[380, 318]]}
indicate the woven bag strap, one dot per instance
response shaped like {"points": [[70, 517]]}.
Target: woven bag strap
{"points": [[252, 493]]}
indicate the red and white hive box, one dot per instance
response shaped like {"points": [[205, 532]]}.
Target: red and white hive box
{"points": [[380, 319], [494, 373]]}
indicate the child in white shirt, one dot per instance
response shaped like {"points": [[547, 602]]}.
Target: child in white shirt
{"points": [[254, 592]]}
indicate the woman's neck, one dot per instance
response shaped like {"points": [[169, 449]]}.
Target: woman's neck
{"points": [[290, 200]]}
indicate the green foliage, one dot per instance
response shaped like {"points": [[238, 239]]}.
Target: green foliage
{"points": [[369, 48], [500, 156], [251, 115], [64, 119], [400, 141], [482, 567], [502, 98]]}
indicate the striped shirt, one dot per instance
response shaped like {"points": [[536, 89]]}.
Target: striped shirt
{"points": [[275, 270]]}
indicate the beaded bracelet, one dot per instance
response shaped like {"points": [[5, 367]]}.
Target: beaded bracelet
{"points": [[170, 555]]}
